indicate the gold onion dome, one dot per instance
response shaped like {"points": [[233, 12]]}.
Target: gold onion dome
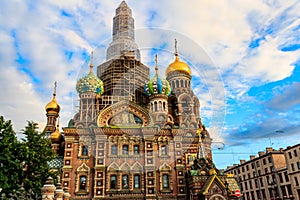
{"points": [[157, 85], [53, 106], [56, 136], [90, 83], [178, 65]]}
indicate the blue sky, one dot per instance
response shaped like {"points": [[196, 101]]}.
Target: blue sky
{"points": [[244, 55]]}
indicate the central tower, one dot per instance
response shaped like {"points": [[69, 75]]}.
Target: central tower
{"points": [[123, 74], [123, 34]]}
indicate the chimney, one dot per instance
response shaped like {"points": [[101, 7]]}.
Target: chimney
{"points": [[261, 153], [269, 149], [242, 162], [252, 157]]}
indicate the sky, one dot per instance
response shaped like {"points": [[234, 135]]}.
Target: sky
{"points": [[244, 56]]}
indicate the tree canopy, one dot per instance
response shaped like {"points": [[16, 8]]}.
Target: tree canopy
{"points": [[23, 163]]}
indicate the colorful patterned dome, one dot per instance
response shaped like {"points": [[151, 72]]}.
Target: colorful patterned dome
{"points": [[90, 83], [157, 85]]}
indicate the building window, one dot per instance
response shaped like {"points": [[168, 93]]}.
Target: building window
{"points": [[257, 164], [164, 150], [125, 149], [114, 149], [113, 182], [290, 155], [298, 164], [136, 149], [293, 167], [136, 181], [264, 161], [295, 153], [84, 150], [165, 181], [286, 177], [269, 159], [125, 181], [82, 184], [296, 181]]}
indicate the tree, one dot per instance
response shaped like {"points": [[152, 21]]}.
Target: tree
{"points": [[36, 153], [10, 165], [23, 164]]}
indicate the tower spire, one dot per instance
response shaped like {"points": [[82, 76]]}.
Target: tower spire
{"points": [[54, 91], [156, 64], [92, 62], [176, 51]]}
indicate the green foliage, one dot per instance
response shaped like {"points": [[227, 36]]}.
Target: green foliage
{"points": [[10, 165], [24, 164]]}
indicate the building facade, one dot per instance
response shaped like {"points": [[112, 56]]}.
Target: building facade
{"points": [[273, 174], [293, 167], [136, 137]]}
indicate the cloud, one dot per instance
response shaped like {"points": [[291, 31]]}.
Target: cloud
{"points": [[287, 99]]}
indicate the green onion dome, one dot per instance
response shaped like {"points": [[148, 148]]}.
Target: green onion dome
{"points": [[157, 85], [90, 82]]}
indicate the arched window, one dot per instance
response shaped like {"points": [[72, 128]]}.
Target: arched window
{"points": [[164, 150], [181, 83], [136, 149], [159, 105], [155, 106], [125, 149], [164, 106], [114, 149], [125, 181], [113, 182], [136, 181], [165, 181], [177, 84], [82, 184], [84, 150]]}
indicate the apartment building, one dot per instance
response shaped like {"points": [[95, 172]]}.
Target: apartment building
{"points": [[265, 176], [293, 167]]}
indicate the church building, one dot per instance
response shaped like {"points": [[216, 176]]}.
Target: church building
{"points": [[135, 136]]}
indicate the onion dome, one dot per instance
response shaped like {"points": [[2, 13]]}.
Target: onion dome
{"points": [[157, 85], [53, 106], [178, 65], [56, 136], [90, 83]]}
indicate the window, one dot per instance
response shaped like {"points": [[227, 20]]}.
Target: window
{"points": [[165, 181], [261, 182], [290, 155], [136, 181], [264, 161], [295, 153], [298, 164], [164, 150], [125, 181], [84, 150], [293, 167], [252, 165], [257, 164], [113, 182], [280, 178], [82, 184], [296, 181], [286, 177], [125, 149], [136, 149], [269, 159], [114, 149]]}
